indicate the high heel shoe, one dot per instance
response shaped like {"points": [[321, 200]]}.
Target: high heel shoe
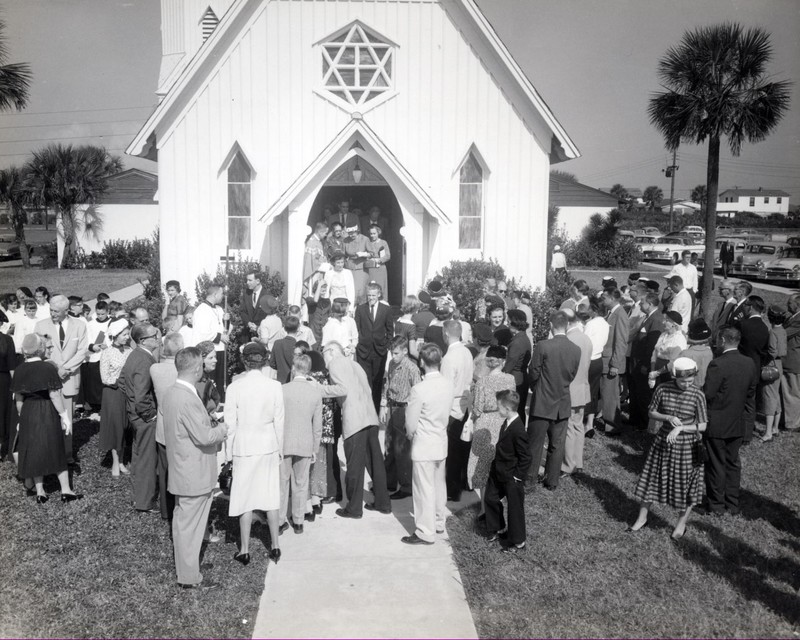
{"points": [[71, 497], [244, 558], [275, 555], [41, 499], [630, 528]]}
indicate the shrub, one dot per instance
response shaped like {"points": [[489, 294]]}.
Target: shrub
{"points": [[152, 286], [154, 308], [128, 254], [542, 305], [464, 280], [558, 285], [619, 253]]}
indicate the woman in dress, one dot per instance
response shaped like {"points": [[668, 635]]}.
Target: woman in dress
{"points": [[341, 328], [113, 410], [379, 256], [176, 306], [487, 420], [405, 327], [668, 347], [771, 391], [206, 388], [254, 415], [596, 328], [43, 422], [339, 281], [671, 474]]}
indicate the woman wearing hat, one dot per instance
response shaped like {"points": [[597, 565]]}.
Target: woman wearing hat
{"points": [[699, 350], [113, 410], [668, 347], [43, 421], [771, 391], [671, 474]]}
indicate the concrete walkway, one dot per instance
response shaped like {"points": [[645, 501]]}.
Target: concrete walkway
{"points": [[121, 295], [347, 578]]}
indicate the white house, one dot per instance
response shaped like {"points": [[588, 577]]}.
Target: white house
{"points": [[577, 203], [129, 210], [761, 202], [269, 106]]}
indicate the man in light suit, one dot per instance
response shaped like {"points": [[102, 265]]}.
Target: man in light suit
{"points": [[302, 405], [613, 359], [70, 343], [192, 445], [723, 312], [135, 381], [427, 417], [360, 430], [579, 395], [250, 310], [375, 330]]}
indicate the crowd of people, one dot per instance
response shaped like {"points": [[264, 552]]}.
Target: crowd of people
{"points": [[465, 407]]}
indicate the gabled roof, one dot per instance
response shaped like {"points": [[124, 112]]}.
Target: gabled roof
{"points": [[242, 12], [749, 193], [570, 193], [357, 138], [132, 186]]}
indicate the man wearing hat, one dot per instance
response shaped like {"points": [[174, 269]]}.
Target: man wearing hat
{"points": [[356, 251], [608, 283], [558, 262]]}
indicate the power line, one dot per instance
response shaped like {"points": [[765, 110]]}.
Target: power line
{"points": [[96, 135], [8, 155], [44, 113], [67, 124]]}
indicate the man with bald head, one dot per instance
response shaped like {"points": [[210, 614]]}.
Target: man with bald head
{"points": [[70, 344]]}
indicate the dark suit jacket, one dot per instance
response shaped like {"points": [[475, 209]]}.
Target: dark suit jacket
{"points": [[737, 315], [512, 456], [373, 336], [518, 358], [135, 381], [553, 366], [731, 381], [617, 344], [722, 317], [247, 312], [282, 358], [755, 340], [644, 342]]}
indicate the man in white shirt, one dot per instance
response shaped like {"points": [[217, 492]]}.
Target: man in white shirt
{"points": [[208, 325], [558, 263], [90, 371], [688, 273], [457, 367], [681, 301], [427, 419]]}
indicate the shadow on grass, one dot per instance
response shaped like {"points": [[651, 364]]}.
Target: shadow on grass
{"points": [[630, 461], [758, 507], [618, 504], [747, 570]]}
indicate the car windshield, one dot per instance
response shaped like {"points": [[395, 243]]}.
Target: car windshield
{"points": [[793, 252], [762, 248]]}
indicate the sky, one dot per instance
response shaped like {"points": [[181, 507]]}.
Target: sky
{"points": [[95, 66]]}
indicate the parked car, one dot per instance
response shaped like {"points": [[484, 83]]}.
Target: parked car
{"points": [[670, 249], [755, 256], [9, 248], [739, 246], [694, 230], [648, 231], [642, 240], [783, 269], [793, 241], [625, 233]]}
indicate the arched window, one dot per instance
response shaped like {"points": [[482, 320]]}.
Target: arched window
{"points": [[470, 207], [239, 178], [209, 23]]}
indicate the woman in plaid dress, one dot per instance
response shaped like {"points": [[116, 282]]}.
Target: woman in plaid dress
{"points": [[671, 476]]}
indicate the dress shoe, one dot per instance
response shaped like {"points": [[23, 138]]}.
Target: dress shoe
{"points": [[201, 586], [400, 495], [414, 539], [343, 513], [482, 517], [564, 474], [630, 528], [371, 507], [30, 492], [310, 516], [74, 468], [589, 434], [244, 558], [41, 499], [275, 555], [71, 497], [146, 511], [328, 500], [440, 531], [549, 487], [283, 528], [500, 535], [514, 548], [298, 528], [317, 509]]}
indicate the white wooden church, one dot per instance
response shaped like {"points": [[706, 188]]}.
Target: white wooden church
{"points": [[272, 110]]}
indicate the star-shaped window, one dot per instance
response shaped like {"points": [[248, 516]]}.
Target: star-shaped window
{"points": [[357, 65]]}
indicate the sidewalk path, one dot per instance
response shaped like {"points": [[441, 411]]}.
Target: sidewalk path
{"points": [[347, 578], [121, 295]]}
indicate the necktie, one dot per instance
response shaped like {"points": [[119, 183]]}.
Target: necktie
{"points": [[372, 309], [503, 428], [61, 334], [255, 299]]}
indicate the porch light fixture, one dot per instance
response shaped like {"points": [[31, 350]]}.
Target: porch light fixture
{"points": [[357, 173]]}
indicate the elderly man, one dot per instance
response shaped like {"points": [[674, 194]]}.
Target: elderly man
{"points": [[375, 327], [740, 293], [427, 417], [790, 388], [192, 445], [360, 429], [209, 325], [579, 396], [68, 337], [457, 367], [163, 375], [722, 314], [356, 251], [135, 381]]}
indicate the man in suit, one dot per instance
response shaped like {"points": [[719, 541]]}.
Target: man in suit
{"points": [[164, 374], [644, 342], [375, 330], [519, 357], [192, 445], [135, 381], [754, 344], [427, 417], [730, 387], [360, 429], [249, 309], [554, 365], [579, 396], [726, 256], [740, 292], [613, 359], [70, 343], [282, 355], [723, 312], [302, 432], [343, 216]]}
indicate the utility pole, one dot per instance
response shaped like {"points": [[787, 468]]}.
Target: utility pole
{"points": [[670, 173]]}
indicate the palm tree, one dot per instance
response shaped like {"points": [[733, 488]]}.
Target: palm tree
{"points": [[652, 197], [15, 78], [14, 194], [64, 177], [716, 85], [622, 195], [699, 195], [564, 175]]}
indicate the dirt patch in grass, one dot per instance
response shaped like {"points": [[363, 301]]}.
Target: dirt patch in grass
{"points": [[86, 283], [585, 576]]}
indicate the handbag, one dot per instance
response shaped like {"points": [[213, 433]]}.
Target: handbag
{"points": [[226, 478], [769, 372], [699, 453], [468, 430]]}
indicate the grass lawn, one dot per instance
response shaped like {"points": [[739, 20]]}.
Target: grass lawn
{"points": [[585, 576], [96, 568], [80, 282]]}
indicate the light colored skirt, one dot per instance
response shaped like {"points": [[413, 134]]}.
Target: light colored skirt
{"points": [[256, 484]]}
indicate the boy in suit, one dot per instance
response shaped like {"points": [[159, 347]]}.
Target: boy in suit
{"points": [[282, 352], [507, 476]]}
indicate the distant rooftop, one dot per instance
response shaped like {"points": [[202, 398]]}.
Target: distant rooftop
{"points": [[749, 193]]}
